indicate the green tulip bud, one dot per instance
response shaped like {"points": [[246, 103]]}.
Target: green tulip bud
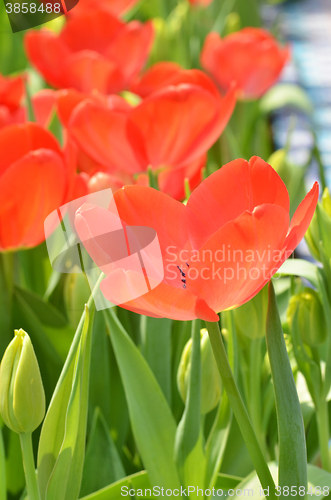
{"points": [[22, 397], [76, 294], [211, 386], [319, 230], [250, 318], [311, 319]]}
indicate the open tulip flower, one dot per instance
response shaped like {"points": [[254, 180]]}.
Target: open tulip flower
{"points": [[251, 57], [218, 251], [95, 50], [170, 131], [11, 95], [36, 177]]}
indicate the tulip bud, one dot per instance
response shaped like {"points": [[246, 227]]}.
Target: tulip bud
{"points": [[311, 319], [22, 397], [320, 229], [250, 318], [232, 23], [76, 294], [211, 386]]}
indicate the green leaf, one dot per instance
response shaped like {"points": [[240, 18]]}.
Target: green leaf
{"points": [[152, 423], [300, 267], [102, 464], [291, 431], [226, 481], [49, 360], [140, 480], [47, 313], [62, 440], [286, 94], [101, 382], [251, 484], [156, 348], [189, 452], [316, 477]]}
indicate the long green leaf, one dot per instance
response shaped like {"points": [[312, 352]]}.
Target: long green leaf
{"points": [[156, 348], [102, 465], [299, 267], [291, 431], [140, 480], [152, 423], [62, 440]]}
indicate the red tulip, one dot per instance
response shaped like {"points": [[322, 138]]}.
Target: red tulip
{"points": [[35, 178], [95, 50], [171, 131], [218, 251], [251, 57], [11, 95], [115, 7]]}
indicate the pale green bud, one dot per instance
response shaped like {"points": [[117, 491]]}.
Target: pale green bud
{"points": [[311, 319], [211, 385], [250, 318], [22, 397], [76, 294], [318, 235]]}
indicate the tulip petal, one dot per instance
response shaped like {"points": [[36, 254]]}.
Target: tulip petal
{"points": [[44, 103], [18, 140], [87, 71], [301, 219], [131, 47], [171, 180], [48, 54], [178, 124], [236, 260], [235, 188], [144, 206], [157, 76], [101, 133], [30, 190], [92, 31], [164, 301], [11, 92]]}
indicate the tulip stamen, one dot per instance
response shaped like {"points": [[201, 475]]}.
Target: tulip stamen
{"points": [[183, 275]]}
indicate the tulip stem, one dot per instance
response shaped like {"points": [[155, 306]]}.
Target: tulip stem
{"points": [[29, 466], [239, 409]]}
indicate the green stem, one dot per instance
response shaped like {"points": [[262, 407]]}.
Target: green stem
{"points": [[322, 416], [255, 363], [29, 466], [239, 409]]}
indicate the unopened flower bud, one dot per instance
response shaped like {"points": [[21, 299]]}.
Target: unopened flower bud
{"points": [[250, 318], [22, 397], [319, 231], [76, 294], [211, 385], [311, 319]]}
